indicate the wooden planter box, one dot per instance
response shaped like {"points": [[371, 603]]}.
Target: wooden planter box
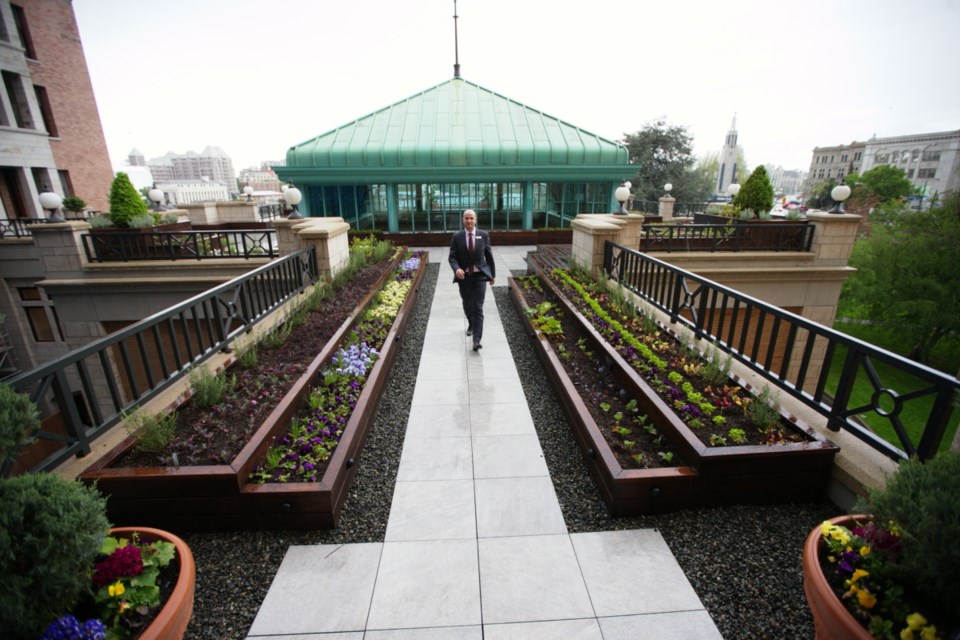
{"points": [[717, 475], [219, 497]]}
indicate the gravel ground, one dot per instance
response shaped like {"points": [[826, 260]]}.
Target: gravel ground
{"points": [[743, 561]]}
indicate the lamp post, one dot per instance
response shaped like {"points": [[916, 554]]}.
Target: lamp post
{"points": [[51, 203], [248, 191], [622, 194], [292, 196], [733, 189], [157, 196], [838, 194], [668, 188]]}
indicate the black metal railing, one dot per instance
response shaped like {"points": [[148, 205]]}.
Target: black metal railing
{"points": [[20, 227], [127, 246], [793, 352], [270, 211], [762, 236], [680, 209], [87, 391]]}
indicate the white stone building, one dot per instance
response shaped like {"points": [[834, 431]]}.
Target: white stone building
{"points": [[930, 160], [180, 192]]}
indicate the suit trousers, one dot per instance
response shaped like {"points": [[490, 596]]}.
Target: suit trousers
{"points": [[473, 290]]}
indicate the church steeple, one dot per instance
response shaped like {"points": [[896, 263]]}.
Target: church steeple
{"points": [[728, 159], [456, 44]]}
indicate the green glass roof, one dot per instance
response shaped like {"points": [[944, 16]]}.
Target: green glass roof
{"points": [[456, 129]]}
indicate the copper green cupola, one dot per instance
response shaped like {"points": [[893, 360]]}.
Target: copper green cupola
{"points": [[416, 164]]}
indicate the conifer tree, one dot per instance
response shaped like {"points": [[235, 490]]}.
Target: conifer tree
{"points": [[125, 202], [756, 194]]}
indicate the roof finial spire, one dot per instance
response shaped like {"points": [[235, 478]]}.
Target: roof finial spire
{"points": [[456, 49]]}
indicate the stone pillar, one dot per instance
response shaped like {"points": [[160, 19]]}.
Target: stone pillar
{"points": [[329, 237], [833, 241], [237, 211], [287, 239], [60, 248], [633, 230], [666, 208], [590, 232]]}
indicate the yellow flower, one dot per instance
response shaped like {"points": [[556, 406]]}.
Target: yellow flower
{"points": [[116, 590], [915, 621], [906, 634], [866, 599], [929, 633], [859, 573], [865, 551]]}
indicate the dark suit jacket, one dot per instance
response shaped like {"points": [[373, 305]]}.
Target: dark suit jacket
{"points": [[482, 256]]}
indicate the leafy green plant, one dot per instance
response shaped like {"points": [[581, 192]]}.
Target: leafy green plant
{"points": [[248, 356], [100, 222], [125, 202], [209, 389], [764, 410], [738, 436], [153, 432], [141, 221], [168, 218], [716, 370], [73, 204], [756, 194], [717, 440], [666, 456], [19, 424], [50, 534]]}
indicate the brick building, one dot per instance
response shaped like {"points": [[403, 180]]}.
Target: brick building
{"points": [[50, 131]]}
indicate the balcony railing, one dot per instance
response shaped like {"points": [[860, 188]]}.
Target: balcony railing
{"points": [[760, 236], [793, 353], [87, 391], [20, 227], [270, 211], [128, 246]]}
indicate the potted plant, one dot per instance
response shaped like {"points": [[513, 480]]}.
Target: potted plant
{"points": [[892, 572], [66, 574], [125, 202], [74, 205]]}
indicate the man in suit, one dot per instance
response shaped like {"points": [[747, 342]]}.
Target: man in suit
{"points": [[472, 262]]}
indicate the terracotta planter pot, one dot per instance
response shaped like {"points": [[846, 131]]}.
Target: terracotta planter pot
{"points": [[831, 619], [171, 622]]}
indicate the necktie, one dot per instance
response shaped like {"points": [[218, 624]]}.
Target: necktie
{"points": [[470, 242]]}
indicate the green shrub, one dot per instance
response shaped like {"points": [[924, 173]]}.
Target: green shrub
{"points": [[100, 222], [125, 202], [142, 221], [153, 432], [716, 371], [168, 218], [923, 498], [50, 535], [209, 389], [19, 423], [763, 410], [756, 194], [74, 204]]}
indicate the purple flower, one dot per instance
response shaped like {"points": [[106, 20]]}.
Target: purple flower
{"points": [[848, 562]]}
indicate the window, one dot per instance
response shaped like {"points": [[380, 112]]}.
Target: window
{"points": [[931, 155], [856, 156], [23, 30], [910, 173], [928, 172], [46, 112], [40, 313], [66, 183], [916, 154], [18, 100], [895, 156], [839, 174], [843, 158]]}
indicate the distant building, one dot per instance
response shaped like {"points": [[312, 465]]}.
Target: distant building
{"points": [[50, 130], [136, 159], [833, 163], [180, 192], [785, 181], [930, 160], [211, 164], [261, 178], [728, 160]]}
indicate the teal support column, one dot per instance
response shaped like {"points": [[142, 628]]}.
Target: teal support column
{"points": [[528, 205], [614, 204], [393, 208]]}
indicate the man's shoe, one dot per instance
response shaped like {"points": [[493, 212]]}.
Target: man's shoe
{"points": [[477, 346], [469, 332]]}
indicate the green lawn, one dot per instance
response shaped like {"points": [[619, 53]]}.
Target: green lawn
{"points": [[946, 357]]}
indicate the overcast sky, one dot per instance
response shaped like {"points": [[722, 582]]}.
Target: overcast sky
{"points": [[255, 77]]}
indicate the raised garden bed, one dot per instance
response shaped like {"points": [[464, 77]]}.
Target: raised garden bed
{"points": [[797, 470], [221, 496]]}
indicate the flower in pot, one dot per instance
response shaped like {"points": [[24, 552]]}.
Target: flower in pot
{"points": [[893, 573], [59, 555]]}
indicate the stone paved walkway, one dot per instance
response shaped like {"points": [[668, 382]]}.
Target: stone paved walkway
{"points": [[476, 546]]}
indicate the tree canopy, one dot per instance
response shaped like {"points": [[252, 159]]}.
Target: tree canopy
{"points": [[663, 153], [881, 184], [125, 202], [907, 277], [756, 194]]}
